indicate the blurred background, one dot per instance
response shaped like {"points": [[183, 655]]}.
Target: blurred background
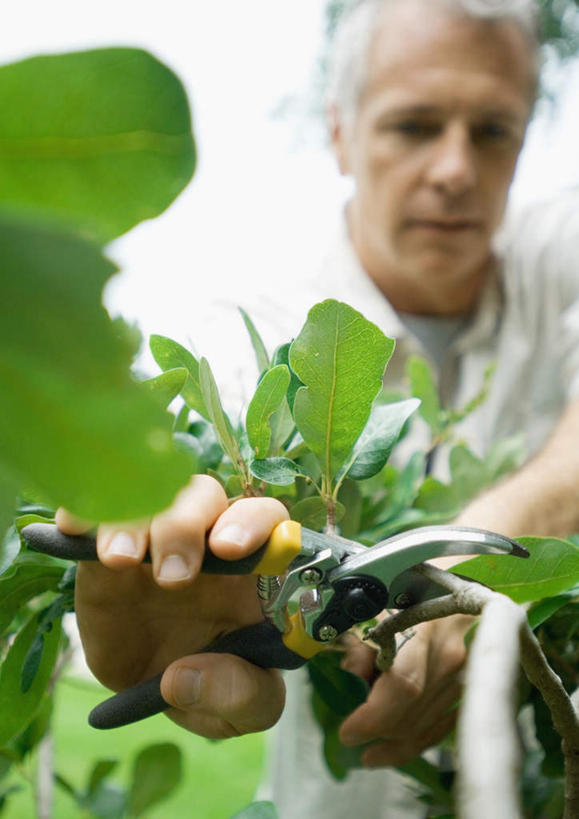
{"points": [[266, 195]]}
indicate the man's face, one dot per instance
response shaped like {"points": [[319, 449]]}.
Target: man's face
{"points": [[434, 143]]}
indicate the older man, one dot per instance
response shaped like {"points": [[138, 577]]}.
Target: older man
{"points": [[430, 106]]}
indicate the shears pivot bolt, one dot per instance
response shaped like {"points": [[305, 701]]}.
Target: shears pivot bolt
{"points": [[327, 633], [403, 601], [311, 577]]}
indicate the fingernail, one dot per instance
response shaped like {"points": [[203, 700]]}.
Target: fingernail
{"points": [[186, 686], [232, 533], [123, 544], [174, 568]]}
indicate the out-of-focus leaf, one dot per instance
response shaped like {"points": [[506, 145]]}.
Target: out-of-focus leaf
{"points": [[277, 471], [423, 386], [99, 446], [378, 437], [167, 386], [21, 583], [313, 512], [268, 398], [437, 497], [9, 548], [468, 473], [156, 773], [18, 708], [341, 690], [171, 355], [188, 446], [505, 456], [101, 769], [552, 568], [98, 140], [340, 357], [258, 810], [259, 349]]}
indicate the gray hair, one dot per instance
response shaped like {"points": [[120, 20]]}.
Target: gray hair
{"points": [[353, 39]]}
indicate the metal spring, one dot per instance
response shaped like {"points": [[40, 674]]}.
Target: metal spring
{"points": [[267, 586]]}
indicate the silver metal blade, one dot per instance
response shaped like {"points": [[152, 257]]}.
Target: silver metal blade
{"points": [[393, 556]]}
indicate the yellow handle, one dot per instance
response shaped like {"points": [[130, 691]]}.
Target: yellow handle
{"points": [[298, 640], [284, 544]]}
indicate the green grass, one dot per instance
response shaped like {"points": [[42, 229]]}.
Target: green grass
{"points": [[219, 778]]}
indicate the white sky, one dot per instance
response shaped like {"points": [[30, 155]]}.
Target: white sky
{"points": [[266, 193]]}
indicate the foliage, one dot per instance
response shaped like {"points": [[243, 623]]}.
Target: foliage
{"points": [[79, 430]]}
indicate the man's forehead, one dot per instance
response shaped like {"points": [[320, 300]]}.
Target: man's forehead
{"points": [[416, 41]]}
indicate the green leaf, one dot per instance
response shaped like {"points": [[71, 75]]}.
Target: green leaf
{"points": [[552, 568], [188, 446], [156, 773], [21, 583], [171, 355], [505, 456], [18, 708], [99, 445], [438, 498], [281, 356], [268, 398], [101, 769], [9, 548], [340, 357], [468, 473], [313, 512], [540, 612], [378, 437], [341, 690], [98, 140], [167, 386], [277, 471], [256, 342], [423, 386], [218, 417], [258, 810], [108, 801]]}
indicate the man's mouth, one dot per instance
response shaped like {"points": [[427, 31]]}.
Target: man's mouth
{"points": [[447, 225]]}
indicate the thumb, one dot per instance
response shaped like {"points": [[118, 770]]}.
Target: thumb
{"points": [[220, 695]]}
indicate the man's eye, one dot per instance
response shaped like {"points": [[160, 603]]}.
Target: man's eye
{"points": [[413, 128], [490, 132]]}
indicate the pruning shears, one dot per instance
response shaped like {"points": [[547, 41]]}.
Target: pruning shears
{"points": [[331, 582]]}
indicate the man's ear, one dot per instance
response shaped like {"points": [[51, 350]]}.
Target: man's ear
{"points": [[338, 138]]}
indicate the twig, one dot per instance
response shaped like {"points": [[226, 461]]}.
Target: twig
{"points": [[487, 738]]}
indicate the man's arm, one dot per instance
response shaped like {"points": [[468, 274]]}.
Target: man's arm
{"points": [[542, 498]]}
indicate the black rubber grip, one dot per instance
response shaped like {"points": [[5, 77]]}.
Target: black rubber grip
{"points": [[47, 538], [260, 644]]}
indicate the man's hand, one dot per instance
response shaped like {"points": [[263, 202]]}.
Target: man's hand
{"points": [[136, 620], [412, 706]]}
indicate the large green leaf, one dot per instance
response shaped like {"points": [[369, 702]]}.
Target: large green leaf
{"points": [[268, 398], [167, 386], [99, 140], [21, 583], [377, 440], [75, 427], [171, 355], [18, 708], [552, 569], [157, 771], [277, 471], [340, 357]]}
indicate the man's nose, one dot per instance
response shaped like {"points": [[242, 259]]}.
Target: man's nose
{"points": [[452, 168]]}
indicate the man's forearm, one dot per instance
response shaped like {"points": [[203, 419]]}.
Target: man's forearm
{"points": [[542, 498]]}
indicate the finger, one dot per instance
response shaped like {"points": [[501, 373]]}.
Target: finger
{"points": [[121, 546], [392, 697], [359, 658], [402, 751], [70, 524], [245, 526], [220, 696], [177, 536]]}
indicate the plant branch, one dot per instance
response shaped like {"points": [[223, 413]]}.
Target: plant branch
{"points": [[487, 735]]}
